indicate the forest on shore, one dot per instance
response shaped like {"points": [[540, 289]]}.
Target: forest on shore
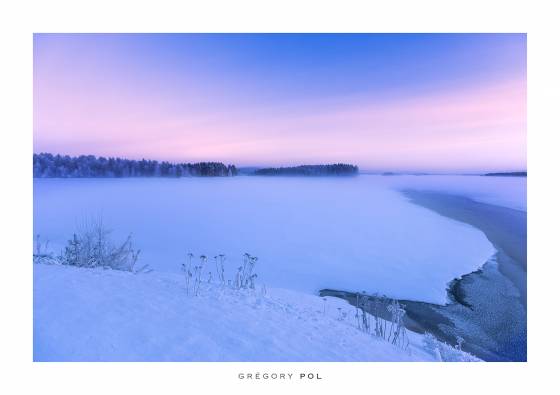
{"points": [[338, 169], [46, 165]]}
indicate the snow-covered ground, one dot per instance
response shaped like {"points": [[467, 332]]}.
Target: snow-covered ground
{"points": [[106, 315], [356, 233]]}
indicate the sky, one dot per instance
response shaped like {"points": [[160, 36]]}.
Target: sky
{"points": [[385, 102]]}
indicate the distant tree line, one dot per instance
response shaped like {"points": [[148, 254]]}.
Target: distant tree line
{"points": [[508, 174], [46, 165], [338, 169]]}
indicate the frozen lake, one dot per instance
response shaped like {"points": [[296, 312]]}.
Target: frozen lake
{"points": [[355, 233]]}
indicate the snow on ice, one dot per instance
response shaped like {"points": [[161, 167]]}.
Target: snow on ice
{"points": [[355, 234]]}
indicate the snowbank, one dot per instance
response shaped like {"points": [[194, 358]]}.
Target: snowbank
{"points": [[106, 315]]}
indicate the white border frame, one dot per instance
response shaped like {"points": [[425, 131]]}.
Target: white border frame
{"points": [[20, 19]]}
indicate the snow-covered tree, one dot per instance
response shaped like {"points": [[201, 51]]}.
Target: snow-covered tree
{"points": [[46, 165]]}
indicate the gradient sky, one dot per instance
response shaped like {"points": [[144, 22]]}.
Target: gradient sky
{"points": [[401, 102]]}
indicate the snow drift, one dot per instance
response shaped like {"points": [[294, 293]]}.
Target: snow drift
{"points": [[107, 315]]}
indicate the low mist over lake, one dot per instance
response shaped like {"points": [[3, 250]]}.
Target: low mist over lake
{"points": [[354, 233]]}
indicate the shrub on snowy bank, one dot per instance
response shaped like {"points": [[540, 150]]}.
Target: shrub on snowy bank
{"points": [[42, 253], [194, 275], [92, 247], [369, 314], [371, 317], [392, 331], [443, 352]]}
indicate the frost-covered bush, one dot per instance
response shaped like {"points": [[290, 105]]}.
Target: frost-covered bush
{"points": [[244, 277], [452, 354], [432, 346], [362, 316], [460, 342], [219, 260], [397, 333], [368, 309], [443, 352], [187, 271], [198, 273], [92, 247], [42, 253]]}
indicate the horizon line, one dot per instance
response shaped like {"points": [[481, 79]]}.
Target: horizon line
{"points": [[361, 170]]}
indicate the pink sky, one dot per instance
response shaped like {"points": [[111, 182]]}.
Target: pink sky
{"points": [[103, 105], [416, 133]]}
